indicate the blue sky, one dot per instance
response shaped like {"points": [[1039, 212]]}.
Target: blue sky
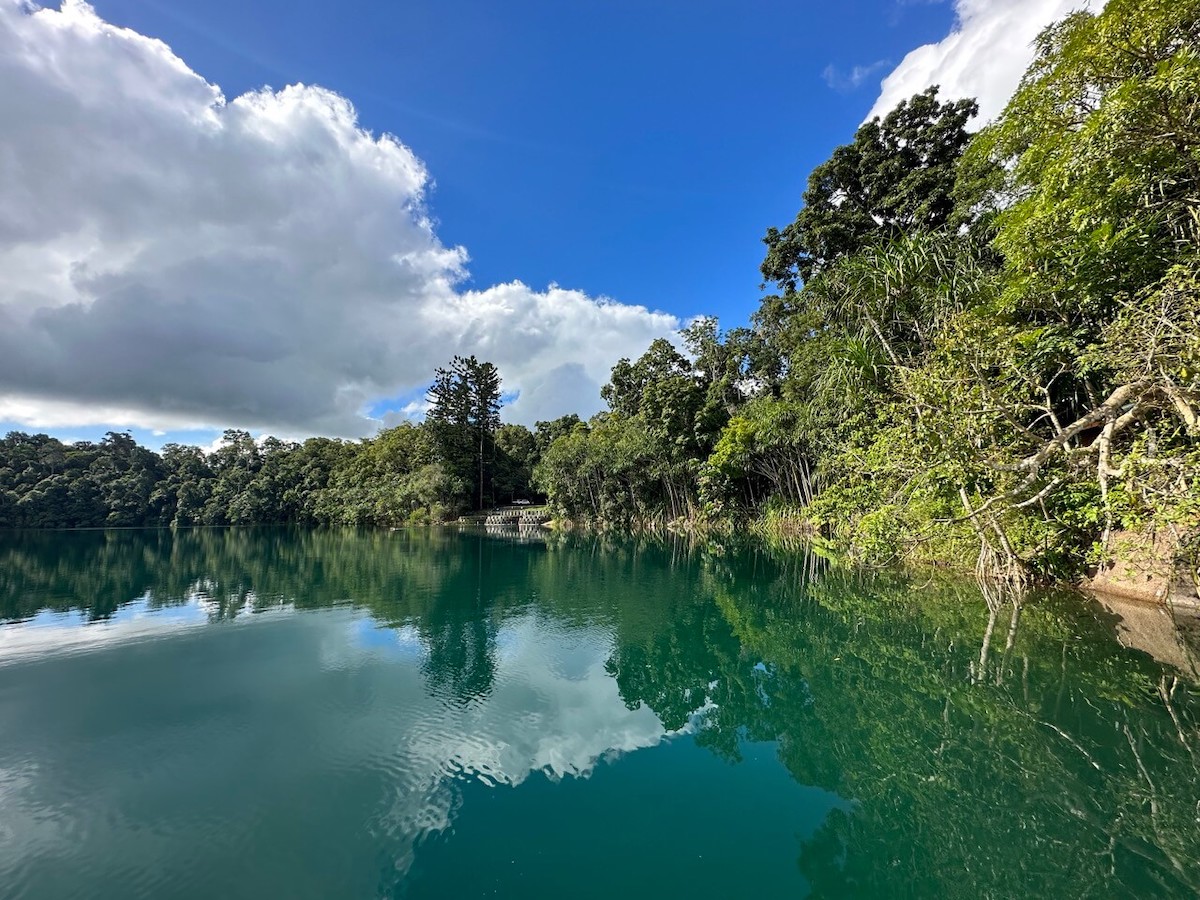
{"points": [[626, 151], [629, 149]]}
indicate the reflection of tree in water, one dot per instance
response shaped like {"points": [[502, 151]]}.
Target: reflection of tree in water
{"points": [[420, 577], [990, 747], [232, 571], [461, 664], [458, 630]]}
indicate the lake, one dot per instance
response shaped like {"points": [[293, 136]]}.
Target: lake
{"points": [[434, 713]]}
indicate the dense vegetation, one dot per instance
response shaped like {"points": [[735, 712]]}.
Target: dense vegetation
{"points": [[459, 456], [980, 347]]}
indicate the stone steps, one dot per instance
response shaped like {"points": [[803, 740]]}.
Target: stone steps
{"points": [[538, 515]]}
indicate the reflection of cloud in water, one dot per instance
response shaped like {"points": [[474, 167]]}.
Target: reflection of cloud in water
{"points": [[50, 632], [553, 709], [402, 642], [356, 695]]}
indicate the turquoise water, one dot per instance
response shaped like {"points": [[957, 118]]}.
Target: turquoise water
{"points": [[283, 713]]}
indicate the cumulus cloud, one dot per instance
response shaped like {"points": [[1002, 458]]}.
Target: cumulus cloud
{"points": [[171, 258], [984, 56]]}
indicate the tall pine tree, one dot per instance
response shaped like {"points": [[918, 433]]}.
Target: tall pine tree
{"points": [[464, 414]]}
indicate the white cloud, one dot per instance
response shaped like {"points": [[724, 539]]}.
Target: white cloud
{"points": [[984, 56], [845, 82], [170, 258]]}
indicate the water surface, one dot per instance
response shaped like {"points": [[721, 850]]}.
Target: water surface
{"points": [[283, 713]]}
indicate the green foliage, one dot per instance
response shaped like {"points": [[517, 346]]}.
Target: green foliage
{"points": [[516, 454], [464, 413], [546, 433], [410, 474], [896, 178], [1102, 140], [47, 484], [611, 471], [983, 353], [642, 461]]}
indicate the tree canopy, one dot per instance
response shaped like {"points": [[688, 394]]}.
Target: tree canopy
{"points": [[897, 176], [413, 472], [983, 347]]}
